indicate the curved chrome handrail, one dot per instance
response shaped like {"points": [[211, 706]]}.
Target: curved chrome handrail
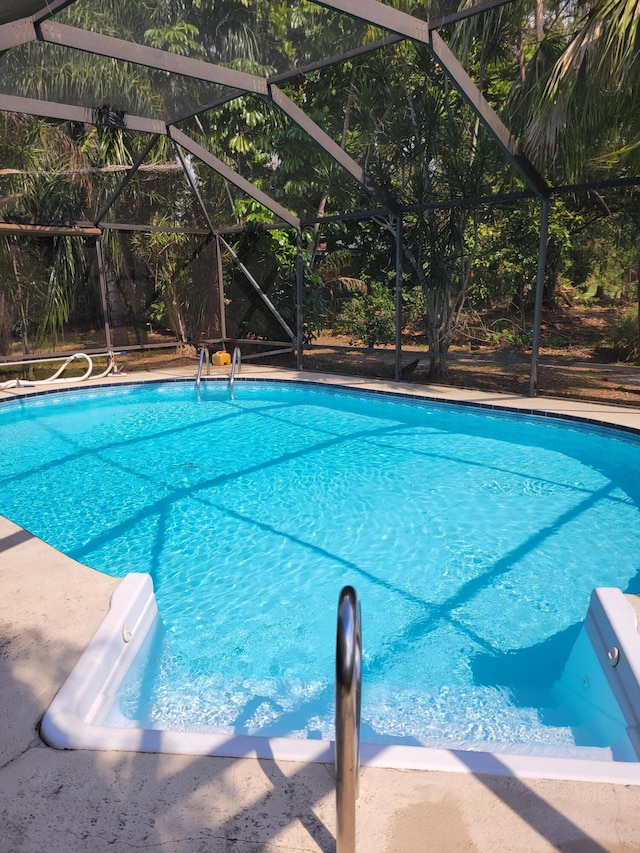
{"points": [[348, 702], [204, 353], [236, 362]]}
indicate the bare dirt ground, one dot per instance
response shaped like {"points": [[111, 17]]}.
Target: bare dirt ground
{"points": [[574, 361]]}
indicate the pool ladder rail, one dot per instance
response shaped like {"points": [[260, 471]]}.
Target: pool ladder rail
{"points": [[204, 356], [348, 703], [236, 366]]}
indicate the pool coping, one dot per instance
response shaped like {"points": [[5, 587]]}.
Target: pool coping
{"points": [[496, 763]]}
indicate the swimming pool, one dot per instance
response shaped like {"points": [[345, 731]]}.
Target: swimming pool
{"points": [[474, 558]]}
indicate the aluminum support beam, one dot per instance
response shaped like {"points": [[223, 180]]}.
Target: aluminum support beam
{"points": [[260, 291], [68, 112], [299, 301], [223, 308], [337, 58], [204, 108], [126, 180], [398, 235], [472, 95], [46, 109], [233, 177], [16, 33], [29, 230], [487, 115], [192, 183], [338, 154], [537, 314], [52, 7], [383, 16], [189, 176], [154, 229], [103, 290], [467, 12], [331, 147], [151, 57]]}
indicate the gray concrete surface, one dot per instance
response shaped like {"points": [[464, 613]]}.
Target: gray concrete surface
{"points": [[72, 801]]}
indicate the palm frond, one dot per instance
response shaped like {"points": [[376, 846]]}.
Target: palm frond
{"points": [[590, 90]]}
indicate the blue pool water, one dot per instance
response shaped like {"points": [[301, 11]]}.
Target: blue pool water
{"points": [[473, 538]]}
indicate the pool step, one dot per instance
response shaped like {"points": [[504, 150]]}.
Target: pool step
{"points": [[462, 715]]}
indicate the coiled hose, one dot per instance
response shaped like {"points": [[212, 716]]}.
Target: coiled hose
{"points": [[18, 383]]}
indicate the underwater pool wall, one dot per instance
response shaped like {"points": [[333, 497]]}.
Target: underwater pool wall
{"points": [[74, 719], [612, 627]]}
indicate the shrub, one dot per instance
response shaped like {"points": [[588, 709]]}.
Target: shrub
{"points": [[626, 338], [369, 317]]}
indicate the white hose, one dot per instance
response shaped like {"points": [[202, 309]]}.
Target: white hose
{"points": [[17, 383]]}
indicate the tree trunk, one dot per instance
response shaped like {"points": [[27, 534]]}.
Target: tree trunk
{"points": [[24, 324], [436, 328], [176, 318], [638, 303], [551, 279], [438, 367], [5, 326]]}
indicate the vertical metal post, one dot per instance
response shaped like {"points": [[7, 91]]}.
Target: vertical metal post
{"points": [[537, 314], [348, 701], [103, 291], [299, 300], [398, 298], [223, 312]]}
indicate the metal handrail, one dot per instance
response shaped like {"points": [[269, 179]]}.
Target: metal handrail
{"points": [[204, 354], [348, 702], [236, 361]]}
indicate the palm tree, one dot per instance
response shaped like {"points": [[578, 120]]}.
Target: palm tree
{"points": [[587, 113], [586, 118]]}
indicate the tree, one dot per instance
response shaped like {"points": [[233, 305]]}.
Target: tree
{"points": [[422, 145], [369, 317], [584, 114], [46, 184]]}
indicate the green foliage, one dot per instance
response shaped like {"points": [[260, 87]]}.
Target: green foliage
{"points": [[583, 108], [271, 258], [167, 256], [392, 110], [413, 310], [610, 252], [504, 270], [66, 273], [626, 339], [180, 38], [504, 332], [369, 318]]}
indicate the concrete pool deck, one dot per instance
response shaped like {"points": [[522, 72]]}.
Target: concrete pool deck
{"points": [[72, 801]]}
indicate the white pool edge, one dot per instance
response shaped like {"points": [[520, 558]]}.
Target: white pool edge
{"points": [[72, 720]]}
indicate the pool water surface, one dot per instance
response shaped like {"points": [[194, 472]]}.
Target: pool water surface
{"points": [[474, 540]]}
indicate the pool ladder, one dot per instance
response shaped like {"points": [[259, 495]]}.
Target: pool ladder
{"points": [[348, 702], [204, 356], [236, 366]]}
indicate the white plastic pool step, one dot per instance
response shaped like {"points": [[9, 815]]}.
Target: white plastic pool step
{"points": [[72, 719]]}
